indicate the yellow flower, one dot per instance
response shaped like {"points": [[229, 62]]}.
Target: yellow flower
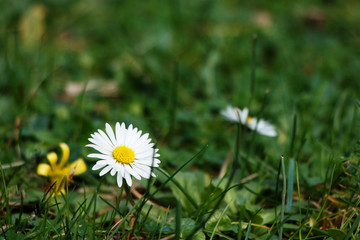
{"points": [[61, 173]]}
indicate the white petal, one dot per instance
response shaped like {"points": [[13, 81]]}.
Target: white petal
{"points": [[142, 140], [113, 171], [135, 135], [265, 128], [119, 179], [268, 132], [98, 148], [252, 124], [147, 154], [106, 138], [98, 166], [148, 162], [141, 148], [121, 135], [128, 179], [97, 140], [100, 156], [110, 133], [105, 170], [128, 136], [142, 170], [231, 114], [120, 167], [132, 172], [142, 144], [117, 133], [103, 162], [244, 115]]}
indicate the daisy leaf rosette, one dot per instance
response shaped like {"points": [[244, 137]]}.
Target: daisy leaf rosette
{"points": [[125, 152]]}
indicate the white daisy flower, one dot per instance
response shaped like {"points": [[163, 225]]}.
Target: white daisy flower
{"points": [[263, 127], [235, 114], [125, 152]]}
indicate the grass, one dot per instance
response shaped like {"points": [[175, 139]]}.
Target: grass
{"points": [[169, 68]]}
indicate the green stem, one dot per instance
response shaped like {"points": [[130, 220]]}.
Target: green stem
{"points": [[128, 195]]}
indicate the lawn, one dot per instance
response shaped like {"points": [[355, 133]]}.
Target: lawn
{"points": [[248, 112]]}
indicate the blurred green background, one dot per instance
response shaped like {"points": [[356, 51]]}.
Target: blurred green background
{"points": [[169, 67]]}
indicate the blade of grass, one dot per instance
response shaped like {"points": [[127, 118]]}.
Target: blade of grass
{"points": [[239, 234], [348, 221], [163, 222], [218, 222], [290, 185], [18, 220], [275, 229], [299, 196], [147, 195], [283, 198], [4, 192], [325, 201], [154, 230], [178, 221], [139, 209], [277, 189], [221, 235], [222, 195], [293, 136], [248, 231], [145, 217], [177, 184], [178, 170]]}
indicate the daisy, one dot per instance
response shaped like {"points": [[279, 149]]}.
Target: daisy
{"points": [[124, 152], [235, 114], [263, 127]]}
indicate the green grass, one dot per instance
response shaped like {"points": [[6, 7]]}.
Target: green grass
{"points": [[169, 68]]}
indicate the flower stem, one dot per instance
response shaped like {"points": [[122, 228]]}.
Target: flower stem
{"points": [[128, 195]]}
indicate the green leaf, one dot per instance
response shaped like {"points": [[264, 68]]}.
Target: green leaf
{"points": [[268, 215], [194, 184], [224, 225], [187, 225], [336, 234]]}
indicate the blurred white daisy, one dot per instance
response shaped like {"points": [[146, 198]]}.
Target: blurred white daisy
{"points": [[124, 152], [235, 114], [263, 127]]}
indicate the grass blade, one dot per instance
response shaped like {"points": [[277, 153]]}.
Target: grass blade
{"points": [[218, 222], [290, 185], [178, 221], [248, 231], [283, 198], [353, 227]]}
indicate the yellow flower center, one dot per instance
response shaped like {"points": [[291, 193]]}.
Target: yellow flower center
{"points": [[124, 155], [249, 119]]}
